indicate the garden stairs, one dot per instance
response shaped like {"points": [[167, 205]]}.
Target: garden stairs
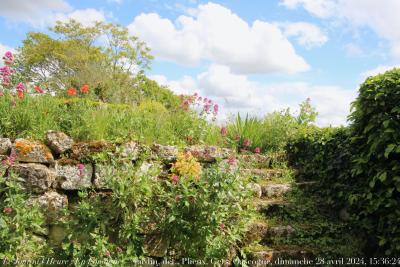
{"points": [[272, 183]]}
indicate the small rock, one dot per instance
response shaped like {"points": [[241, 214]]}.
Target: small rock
{"points": [[152, 169], [73, 176], [206, 153], [165, 153], [53, 203], [129, 150], [85, 150], [102, 174], [38, 178], [58, 142], [32, 151], [155, 245], [256, 231], [280, 231], [5, 146], [275, 190], [256, 189]]}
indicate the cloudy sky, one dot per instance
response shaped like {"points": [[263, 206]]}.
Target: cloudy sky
{"points": [[249, 56]]}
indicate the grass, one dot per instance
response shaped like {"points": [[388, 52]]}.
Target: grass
{"points": [[84, 119]]}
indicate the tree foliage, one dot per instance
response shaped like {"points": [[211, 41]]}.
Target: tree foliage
{"points": [[104, 55]]}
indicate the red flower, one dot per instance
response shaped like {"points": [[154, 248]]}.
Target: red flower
{"points": [[38, 89], [85, 89], [7, 210], [71, 91], [224, 131], [246, 142], [20, 94], [257, 150], [231, 160]]}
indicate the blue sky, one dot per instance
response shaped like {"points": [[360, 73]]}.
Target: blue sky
{"points": [[250, 56]]}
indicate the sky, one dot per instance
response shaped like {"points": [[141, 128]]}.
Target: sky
{"points": [[250, 57]]}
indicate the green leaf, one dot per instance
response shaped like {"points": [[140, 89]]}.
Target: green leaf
{"points": [[171, 219], [389, 149], [382, 177]]}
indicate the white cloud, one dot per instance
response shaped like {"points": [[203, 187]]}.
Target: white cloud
{"points": [[308, 35], [353, 50], [85, 16], [43, 13], [319, 8], [32, 12], [378, 70], [380, 16], [236, 93], [216, 34]]}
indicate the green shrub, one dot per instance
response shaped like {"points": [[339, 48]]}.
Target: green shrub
{"points": [[199, 217], [376, 139], [21, 223]]}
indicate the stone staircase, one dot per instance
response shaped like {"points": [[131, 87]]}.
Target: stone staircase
{"points": [[271, 186]]}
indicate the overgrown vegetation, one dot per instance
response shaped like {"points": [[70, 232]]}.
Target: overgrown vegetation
{"points": [[358, 167]]}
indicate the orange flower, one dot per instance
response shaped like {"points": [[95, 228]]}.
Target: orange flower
{"points": [[71, 91], [20, 94], [38, 89], [85, 89]]}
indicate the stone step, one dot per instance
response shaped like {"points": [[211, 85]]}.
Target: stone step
{"points": [[265, 174], [275, 190], [255, 160], [270, 207], [282, 256], [258, 231]]}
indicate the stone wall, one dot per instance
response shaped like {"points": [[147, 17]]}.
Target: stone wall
{"points": [[56, 168]]}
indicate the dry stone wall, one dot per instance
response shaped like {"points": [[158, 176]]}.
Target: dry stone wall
{"points": [[56, 168]]}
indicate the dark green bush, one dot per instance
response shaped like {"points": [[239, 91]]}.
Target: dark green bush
{"points": [[358, 167], [376, 139]]}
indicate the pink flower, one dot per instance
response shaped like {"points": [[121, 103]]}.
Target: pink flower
{"points": [[20, 87], [81, 169], [6, 71], [216, 107], [195, 94], [8, 58], [257, 150], [108, 253], [119, 250], [246, 142], [224, 131], [205, 99], [200, 98], [175, 179], [231, 160], [7, 210], [177, 198], [222, 227]]}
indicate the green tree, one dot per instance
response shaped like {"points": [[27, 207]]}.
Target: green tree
{"points": [[104, 56]]}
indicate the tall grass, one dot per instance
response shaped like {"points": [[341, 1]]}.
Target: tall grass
{"points": [[83, 119], [270, 133]]}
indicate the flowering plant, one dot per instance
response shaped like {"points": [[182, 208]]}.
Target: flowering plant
{"points": [[204, 106]]}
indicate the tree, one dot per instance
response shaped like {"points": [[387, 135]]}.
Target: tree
{"points": [[104, 56]]}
